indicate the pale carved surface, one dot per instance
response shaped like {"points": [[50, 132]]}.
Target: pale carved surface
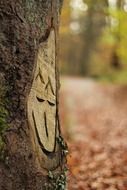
{"points": [[42, 97]]}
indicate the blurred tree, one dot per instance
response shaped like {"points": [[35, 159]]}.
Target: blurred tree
{"points": [[94, 22], [86, 23], [115, 59]]}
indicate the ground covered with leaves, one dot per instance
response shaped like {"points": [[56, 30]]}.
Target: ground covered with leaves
{"points": [[94, 120]]}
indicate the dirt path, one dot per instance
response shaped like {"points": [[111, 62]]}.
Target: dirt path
{"points": [[94, 119]]}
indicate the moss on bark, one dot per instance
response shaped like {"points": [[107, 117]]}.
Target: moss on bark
{"points": [[3, 114]]}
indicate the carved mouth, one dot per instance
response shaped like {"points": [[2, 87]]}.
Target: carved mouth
{"points": [[46, 128], [38, 137]]}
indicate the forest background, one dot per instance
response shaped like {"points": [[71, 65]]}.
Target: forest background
{"points": [[93, 95], [93, 37]]}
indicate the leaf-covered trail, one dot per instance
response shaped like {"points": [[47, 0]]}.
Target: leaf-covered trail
{"points": [[94, 120]]}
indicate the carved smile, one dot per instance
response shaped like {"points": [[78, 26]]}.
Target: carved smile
{"points": [[38, 137]]}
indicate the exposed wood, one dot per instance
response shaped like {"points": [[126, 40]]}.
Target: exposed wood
{"points": [[42, 104]]}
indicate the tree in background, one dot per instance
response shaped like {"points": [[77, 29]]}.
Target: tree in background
{"points": [[93, 23], [32, 151], [117, 28], [87, 19], [94, 42]]}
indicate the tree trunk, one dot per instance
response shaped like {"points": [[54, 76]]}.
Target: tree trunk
{"points": [[32, 151]]}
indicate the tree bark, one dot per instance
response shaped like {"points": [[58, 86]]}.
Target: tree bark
{"points": [[32, 151]]}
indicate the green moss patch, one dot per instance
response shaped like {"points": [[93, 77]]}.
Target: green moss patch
{"points": [[3, 114]]}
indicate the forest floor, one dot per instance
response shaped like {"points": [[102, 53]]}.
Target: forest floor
{"points": [[94, 120]]}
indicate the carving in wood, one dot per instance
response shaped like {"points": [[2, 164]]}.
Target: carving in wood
{"points": [[42, 97]]}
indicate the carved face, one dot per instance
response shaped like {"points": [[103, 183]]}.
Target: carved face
{"points": [[42, 97]]}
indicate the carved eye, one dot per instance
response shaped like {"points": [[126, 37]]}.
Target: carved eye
{"points": [[50, 103], [40, 99]]}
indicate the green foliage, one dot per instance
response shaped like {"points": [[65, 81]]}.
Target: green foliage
{"points": [[113, 41]]}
